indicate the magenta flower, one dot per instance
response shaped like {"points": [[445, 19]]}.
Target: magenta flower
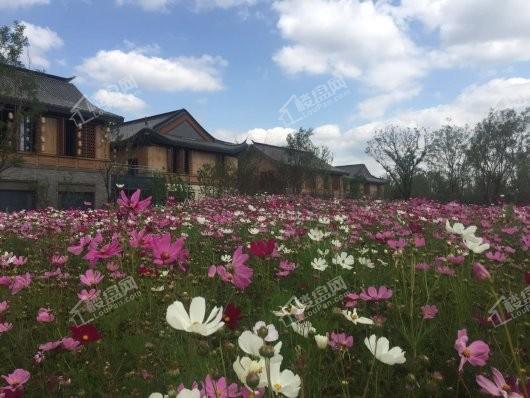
{"points": [[19, 282], [419, 241], [285, 268], [70, 344], [45, 315], [219, 388], [17, 379], [373, 294], [86, 295], [429, 311], [18, 261], [58, 261], [396, 244], [166, 253], [237, 273], [4, 305], [498, 387], [133, 203], [340, 341], [477, 353], [107, 251], [497, 256], [91, 277], [350, 300], [480, 272], [140, 239], [5, 327]]}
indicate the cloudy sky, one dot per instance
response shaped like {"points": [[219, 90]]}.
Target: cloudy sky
{"points": [[259, 69]]}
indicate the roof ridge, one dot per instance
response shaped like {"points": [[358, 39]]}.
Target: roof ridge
{"points": [[40, 73], [153, 116]]}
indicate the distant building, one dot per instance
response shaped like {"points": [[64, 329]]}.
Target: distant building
{"points": [[171, 144], [271, 162], [64, 148], [361, 182]]}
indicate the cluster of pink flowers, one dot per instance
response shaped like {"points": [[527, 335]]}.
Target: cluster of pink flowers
{"points": [[238, 273]]}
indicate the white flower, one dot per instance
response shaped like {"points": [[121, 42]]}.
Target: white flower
{"points": [[245, 366], [304, 329], [201, 220], [284, 382], [366, 262], [323, 253], [158, 289], [319, 264], [315, 234], [322, 341], [272, 333], [344, 260], [253, 231], [336, 243], [295, 308], [459, 229], [353, 317], [251, 343], [475, 244], [324, 220], [178, 318], [380, 349], [185, 393], [158, 395], [226, 258]]}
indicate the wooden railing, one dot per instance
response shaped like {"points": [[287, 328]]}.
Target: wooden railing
{"points": [[62, 162]]}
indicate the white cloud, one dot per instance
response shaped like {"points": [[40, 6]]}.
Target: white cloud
{"points": [[41, 40], [147, 5], [350, 38], [375, 107], [123, 102], [271, 136], [12, 4], [155, 73]]}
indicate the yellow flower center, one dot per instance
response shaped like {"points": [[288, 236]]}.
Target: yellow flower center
{"points": [[277, 387], [466, 352]]}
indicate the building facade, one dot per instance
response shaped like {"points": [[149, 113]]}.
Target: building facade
{"points": [[64, 146], [360, 182], [171, 145]]}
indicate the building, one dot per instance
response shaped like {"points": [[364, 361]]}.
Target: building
{"points": [[169, 145], [360, 182], [270, 163], [64, 146]]}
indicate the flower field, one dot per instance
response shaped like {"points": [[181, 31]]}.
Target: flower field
{"points": [[267, 296]]}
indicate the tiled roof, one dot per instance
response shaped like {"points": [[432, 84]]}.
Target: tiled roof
{"points": [[360, 171], [281, 154], [55, 93]]}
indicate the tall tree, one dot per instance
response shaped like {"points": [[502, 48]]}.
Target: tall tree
{"points": [[305, 159], [400, 151], [448, 158], [17, 89], [499, 144]]}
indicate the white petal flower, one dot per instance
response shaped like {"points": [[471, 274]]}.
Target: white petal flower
{"points": [[284, 382], [303, 328], [353, 317], [178, 317], [251, 343], [319, 264], [380, 349], [315, 234], [343, 260], [476, 245], [322, 341], [272, 333], [185, 393], [244, 366]]}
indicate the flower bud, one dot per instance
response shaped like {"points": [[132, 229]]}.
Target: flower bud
{"points": [[252, 380], [266, 351], [322, 341], [480, 272], [263, 332]]}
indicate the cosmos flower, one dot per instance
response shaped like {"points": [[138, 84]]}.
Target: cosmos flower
{"points": [[476, 353], [45, 315], [340, 341], [376, 294], [91, 277], [85, 333], [379, 347], [219, 388], [263, 248], [17, 379], [194, 322], [232, 316], [320, 264], [496, 387], [284, 382], [133, 204], [355, 319], [322, 341], [166, 252], [429, 311], [344, 260]]}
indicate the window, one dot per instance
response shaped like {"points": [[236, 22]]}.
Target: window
{"points": [[26, 139], [76, 200], [70, 138], [186, 161], [15, 200]]}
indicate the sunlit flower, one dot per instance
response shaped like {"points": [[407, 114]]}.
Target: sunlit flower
{"points": [[284, 382], [379, 347], [178, 317]]}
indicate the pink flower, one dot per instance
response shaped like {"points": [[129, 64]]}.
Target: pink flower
{"points": [[18, 261], [219, 388], [45, 315], [50, 345], [237, 273], [70, 344], [340, 341], [496, 256], [285, 268], [140, 239], [445, 270], [19, 282], [429, 311], [456, 260], [91, 277], [477, 353], [110, 250], [423, 266], [133, 203], [5, 327], [166, 253], [480, 272], [373, 294], [498, 387], [58, 261], [396, 244], [4, 305], [17, 379], [419, 241], [86, 295], [350, 300]]}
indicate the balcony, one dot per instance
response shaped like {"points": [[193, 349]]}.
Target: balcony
{"points": [[62, 162]]}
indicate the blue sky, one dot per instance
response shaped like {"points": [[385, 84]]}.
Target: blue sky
{"points": [[235, 63]]}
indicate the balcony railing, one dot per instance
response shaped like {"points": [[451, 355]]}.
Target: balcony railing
{"points": [[59, 162]]}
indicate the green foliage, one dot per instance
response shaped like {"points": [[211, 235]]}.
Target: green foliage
{"points": [[12, 44], [217, 180], [179, 189], [159, 189]]}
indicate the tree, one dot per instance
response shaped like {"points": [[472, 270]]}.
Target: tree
{"points": [[16, 85], [448, 159], [400, 151], [305, 159], [499, 143]]}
